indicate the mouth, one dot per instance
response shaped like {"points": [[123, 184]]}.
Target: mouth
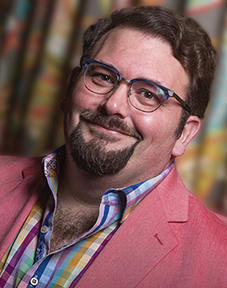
{"points": [[107, 129], [110, 125]]}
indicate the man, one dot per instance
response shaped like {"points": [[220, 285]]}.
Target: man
{"points": [[112, 211]]}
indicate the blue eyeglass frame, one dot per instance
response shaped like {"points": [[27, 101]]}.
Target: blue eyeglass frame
{"points": [[168, 92]]}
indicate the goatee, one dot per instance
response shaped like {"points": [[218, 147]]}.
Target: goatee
{"points": [[92, 156]]}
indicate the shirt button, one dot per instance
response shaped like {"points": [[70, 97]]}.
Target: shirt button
{"points": [[34, 281], [44, 229]]}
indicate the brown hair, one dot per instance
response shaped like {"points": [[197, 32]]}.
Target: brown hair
{"points": [[190, 44]]}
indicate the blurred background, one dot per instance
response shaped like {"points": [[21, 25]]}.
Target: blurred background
{"points": [[40, 42]]}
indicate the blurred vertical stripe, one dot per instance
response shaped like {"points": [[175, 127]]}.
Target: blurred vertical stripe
{"points": [[40, 42]]}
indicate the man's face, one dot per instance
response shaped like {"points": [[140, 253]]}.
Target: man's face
{"points": [[109, 128]]}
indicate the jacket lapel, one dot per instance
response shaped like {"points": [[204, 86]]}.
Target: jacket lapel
{"points": [[141, 242], [17, 199]]}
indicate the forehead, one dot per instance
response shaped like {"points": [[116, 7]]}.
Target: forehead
{"points": [[135, 54], [127, 38]]}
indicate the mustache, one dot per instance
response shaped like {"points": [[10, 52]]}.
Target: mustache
{"points": [[112, 122]]}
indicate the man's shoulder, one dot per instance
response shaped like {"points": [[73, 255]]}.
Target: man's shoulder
{"points": [[182, 206], [17, 161], [20, 188], [11, 167], [205, 219]]}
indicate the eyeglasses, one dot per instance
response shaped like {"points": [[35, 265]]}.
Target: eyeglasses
{"points": [[144, 95]]}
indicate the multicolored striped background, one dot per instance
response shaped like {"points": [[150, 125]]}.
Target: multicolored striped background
{"points": [[40, 42]]}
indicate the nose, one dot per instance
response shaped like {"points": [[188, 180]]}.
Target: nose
{"points": [[116, 103]]}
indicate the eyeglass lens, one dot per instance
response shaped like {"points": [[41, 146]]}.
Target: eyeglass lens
{"points": [[143, 95], [100, 79]]}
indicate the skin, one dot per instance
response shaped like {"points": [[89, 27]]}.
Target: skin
{"points": [[134, 55]]}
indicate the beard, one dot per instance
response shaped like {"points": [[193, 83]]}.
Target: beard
{"points": [[92, 156]]}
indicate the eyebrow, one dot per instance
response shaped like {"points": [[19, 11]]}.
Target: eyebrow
{"points": [[108, 65], [142, 78]]}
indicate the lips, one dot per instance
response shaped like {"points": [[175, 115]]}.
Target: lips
{"points": [[111, 123], [109, 128]]}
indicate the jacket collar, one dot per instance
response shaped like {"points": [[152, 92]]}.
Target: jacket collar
{"points": [[143, 240], [174, 197]]}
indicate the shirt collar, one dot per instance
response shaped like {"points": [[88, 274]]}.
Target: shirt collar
{"points": [[124, 200]]}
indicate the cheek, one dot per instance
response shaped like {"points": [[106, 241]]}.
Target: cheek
{"points": [[79, 100], [72, 112], [148, 126], [157, 130], [82, 99]]}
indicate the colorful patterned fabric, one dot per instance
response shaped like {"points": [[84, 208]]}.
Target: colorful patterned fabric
{"points": [[195, 6], [41, 42], [203, 167], [27, 261]]}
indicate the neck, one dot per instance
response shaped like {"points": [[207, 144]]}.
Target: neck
{"points": [[80, 186], [86, 188]]}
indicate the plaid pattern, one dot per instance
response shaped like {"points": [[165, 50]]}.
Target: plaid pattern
{"points": [[22, 252], [27, 262]]}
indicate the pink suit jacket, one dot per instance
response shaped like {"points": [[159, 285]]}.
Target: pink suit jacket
{"points": [[169, 240]]}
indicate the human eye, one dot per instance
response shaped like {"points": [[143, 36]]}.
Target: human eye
{"points": [[149, 95], [102, 76]]}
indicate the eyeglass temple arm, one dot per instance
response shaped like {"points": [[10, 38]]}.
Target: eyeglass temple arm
{"points": [[183, 104]]}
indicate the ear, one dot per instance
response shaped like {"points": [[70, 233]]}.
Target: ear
{"points": [[191, 128], [70, 81]]}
